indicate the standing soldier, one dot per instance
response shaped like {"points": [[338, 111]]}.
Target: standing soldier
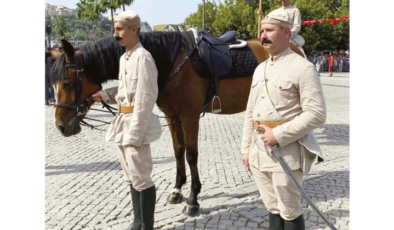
{"points": [[295, 18], [135, 126], [286, 100]]}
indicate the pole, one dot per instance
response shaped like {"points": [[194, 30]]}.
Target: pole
{"points": [[260, 18], [203, 14]]}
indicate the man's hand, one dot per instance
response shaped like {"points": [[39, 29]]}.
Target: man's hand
{"points": [[245, 159], [268, 137], [97, 97]]}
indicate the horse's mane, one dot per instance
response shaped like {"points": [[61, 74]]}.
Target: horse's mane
{"points": [[101, 59], [164, 48]]}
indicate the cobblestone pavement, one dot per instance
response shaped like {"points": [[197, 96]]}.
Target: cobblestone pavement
{"points": [[84, 187]]}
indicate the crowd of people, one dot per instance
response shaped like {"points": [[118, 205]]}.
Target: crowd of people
{"points": [[330, 61], [49, 91]]}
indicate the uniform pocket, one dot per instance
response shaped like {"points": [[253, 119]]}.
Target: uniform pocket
{"points": [[134, 81], [281, 92]]}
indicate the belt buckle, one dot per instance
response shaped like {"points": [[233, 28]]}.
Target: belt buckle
{"points": [[261, 130]]}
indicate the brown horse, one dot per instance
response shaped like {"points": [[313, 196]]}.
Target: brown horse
{"points": [[181, 99]]}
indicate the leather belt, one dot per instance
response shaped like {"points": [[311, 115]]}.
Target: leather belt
{"points": [[270, 124], [125, 109]]}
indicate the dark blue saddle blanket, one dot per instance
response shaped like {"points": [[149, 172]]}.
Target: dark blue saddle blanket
{"points": [[243, 64]]}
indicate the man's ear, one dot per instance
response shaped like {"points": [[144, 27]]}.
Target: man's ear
{"points": [[287, 31]]}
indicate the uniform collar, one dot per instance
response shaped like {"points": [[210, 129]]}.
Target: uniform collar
{"points": [[273, 59], [136, 46], [288, 7]]}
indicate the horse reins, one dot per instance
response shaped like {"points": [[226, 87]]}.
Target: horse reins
{"points": [[78, 105]]}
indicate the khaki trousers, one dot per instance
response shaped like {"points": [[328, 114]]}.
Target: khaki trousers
{"points": [[279, 194], [137, 165]]}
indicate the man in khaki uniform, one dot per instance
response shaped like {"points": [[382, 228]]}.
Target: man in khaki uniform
{"points": [[135, 126], [295, 16], [286, 100]]}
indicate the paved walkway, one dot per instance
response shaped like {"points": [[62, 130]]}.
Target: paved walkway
{"points": [[85, 188]]}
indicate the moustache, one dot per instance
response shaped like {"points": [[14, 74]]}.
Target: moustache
{"points": [[266, 40], [118, 38]]}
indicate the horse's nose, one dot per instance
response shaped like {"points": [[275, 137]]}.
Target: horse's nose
{"points": [[61, 128]]}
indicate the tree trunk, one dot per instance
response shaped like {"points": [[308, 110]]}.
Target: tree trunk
{"points": [[123, 7]]}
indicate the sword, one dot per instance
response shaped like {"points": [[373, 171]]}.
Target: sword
{"points": [[299, 188]]}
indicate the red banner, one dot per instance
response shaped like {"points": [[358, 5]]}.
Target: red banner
{"points": [[333, 22]]}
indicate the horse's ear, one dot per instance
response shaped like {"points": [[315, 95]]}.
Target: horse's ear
{"points": [[68, 49], [55, 54]]}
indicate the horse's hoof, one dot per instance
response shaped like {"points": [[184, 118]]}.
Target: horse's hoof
{"points": [[191, 210], [175, 198]]}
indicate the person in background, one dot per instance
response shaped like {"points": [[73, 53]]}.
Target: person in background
{"points": [[318, 63], [49, 91], [340, 60], [330, 63]]}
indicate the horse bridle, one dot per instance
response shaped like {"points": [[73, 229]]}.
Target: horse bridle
{"points": [[78, 105]]}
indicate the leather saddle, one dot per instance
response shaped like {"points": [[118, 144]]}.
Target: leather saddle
{"points": [[215, 53]]}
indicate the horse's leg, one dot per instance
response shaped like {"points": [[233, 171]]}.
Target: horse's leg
{"points": [[179, 148], [190, 130]]}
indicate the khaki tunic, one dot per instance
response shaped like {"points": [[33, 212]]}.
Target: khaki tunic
{"points": [[295, 90], [137, 87], [295, 16], [292, 84]]}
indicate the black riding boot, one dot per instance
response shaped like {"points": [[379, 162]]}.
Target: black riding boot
{"points": [[276, 222], [136, 198], [148, 202], [296, 224]]}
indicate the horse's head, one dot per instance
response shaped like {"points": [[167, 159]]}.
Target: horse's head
{"points": [[73, 90]]}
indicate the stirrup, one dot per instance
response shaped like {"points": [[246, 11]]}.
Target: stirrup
{"points": [[220, 105]]}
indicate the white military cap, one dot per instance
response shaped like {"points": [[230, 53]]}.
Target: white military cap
{"points": [[278, 17], [129, 18]]}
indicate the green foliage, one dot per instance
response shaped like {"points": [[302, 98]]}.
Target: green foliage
{"points": [[76, 28], [236, 15], [196, 18], [87, 21], [323, 36]]}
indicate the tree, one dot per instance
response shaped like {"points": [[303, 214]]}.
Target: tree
{"points": [[94, 11], [323, 36], [210, 16], [238, 16], [81, 13], [126, 2], [59, 25], [112, 5]]}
